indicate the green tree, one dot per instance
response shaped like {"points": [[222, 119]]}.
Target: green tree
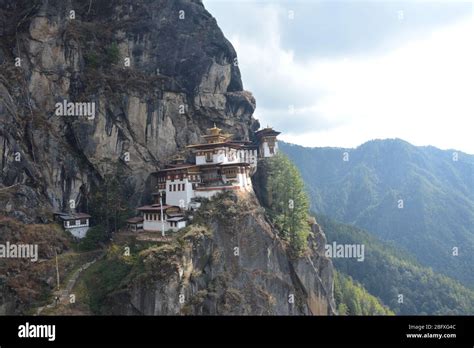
{"points": [[288, 202], [93, 239], [92, 60], [113, 53], [352, 298], [110, 199]]}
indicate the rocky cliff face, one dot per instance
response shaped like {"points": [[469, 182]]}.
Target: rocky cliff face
{"points": [[229, 261], [182, 77]]}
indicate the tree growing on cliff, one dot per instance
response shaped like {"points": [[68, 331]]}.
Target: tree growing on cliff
{"points": [[94, 238], [110, 200], [288, 202], [113, 53]]}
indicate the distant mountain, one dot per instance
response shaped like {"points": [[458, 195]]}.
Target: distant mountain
{"points": [[387, 272], [367, 186]]}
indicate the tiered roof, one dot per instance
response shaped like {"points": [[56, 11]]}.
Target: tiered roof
{"points": [[215, 138], [268, 131]]}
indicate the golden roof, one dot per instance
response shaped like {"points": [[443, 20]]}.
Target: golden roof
{"points": [[215, 135], [214, 130]]}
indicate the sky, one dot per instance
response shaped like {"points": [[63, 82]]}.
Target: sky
{"points": [[343, 72]]}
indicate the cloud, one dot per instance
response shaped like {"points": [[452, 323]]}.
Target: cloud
{"points": [[351, 27], [420, 90]]}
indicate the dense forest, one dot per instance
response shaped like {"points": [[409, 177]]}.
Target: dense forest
{"points": [[390, 280], [388, 272], [419, 198], [352, 298]]}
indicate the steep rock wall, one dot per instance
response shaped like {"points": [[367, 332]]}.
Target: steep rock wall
{"points": [[182, 78], [213, 277]]}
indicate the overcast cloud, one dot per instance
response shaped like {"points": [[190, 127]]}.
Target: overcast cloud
{"points": [[340, 73]]}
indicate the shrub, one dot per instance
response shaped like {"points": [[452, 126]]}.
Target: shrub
{"points": [[92, 60], [113, 53], [94, 237]]}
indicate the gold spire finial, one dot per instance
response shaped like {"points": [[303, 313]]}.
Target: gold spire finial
{"points": [[214, 130]]}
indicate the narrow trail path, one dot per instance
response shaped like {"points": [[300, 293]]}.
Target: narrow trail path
{"points": [[63, 295]]}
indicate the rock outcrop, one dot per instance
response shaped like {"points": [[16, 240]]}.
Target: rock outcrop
{"points": [[229, 261]]}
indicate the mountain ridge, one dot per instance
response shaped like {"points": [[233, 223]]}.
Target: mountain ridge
{"points": [[376, 140], [435, 191]]}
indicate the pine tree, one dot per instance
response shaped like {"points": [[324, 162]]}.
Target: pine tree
{"points": [[110, 199], [289, 203]]}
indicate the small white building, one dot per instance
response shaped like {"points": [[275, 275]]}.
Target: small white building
{"points": [[173, 218], [267, 142], [76, 223]]}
